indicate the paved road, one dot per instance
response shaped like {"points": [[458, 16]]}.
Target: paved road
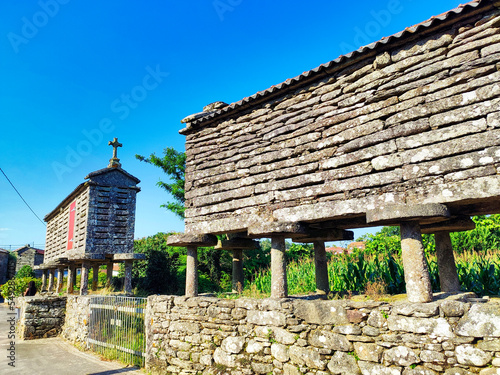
{"points": [[52, 356]]}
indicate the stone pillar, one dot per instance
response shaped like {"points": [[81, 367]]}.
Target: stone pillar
{"points": [[448, 277], [279, 286], [418, 283], [84, 279], [60, 278], [44, 280], [321, 266], [192, 271], [70, 284], [75, 273], [52, 272], [238, 276], [95, 276], [109, 274], [128, 277]]}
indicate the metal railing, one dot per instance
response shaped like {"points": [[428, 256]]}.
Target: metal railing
{"points": [[116, 328]]}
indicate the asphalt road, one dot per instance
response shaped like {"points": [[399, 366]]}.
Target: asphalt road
{"points": [[53, 356]]}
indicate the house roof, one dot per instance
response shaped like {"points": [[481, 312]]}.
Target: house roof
{"points": [[340, 62], [4, 251], [38, 251], [107, 170]]}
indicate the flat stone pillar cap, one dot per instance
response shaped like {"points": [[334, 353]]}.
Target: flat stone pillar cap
{"points": [[324, 235], [396, 213], [456, 224], [237, 244], [128, 256], [276, 228], [199, 240]]}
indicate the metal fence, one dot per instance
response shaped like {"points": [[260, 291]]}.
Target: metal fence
{"points": [[116, 328]]}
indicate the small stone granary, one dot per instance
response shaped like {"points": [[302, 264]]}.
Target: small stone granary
{"points": [[92, 226], [404, 131]]}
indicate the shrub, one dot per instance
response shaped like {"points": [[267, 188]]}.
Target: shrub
{"points": [[16, 287], [25, 271]]}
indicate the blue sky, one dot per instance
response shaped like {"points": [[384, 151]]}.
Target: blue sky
{"points": [[77, 73]]}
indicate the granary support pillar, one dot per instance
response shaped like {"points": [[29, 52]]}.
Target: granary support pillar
{"points": [[52, 272], [321, 268], [191, 243], [417, 279], [84, 278], [128, 277], [448, 277], [60, 278], [279, 284], [95, 276], [44, 280], [192, 271], [409, 217], [238, 276], [70, 285], [109, 274]]}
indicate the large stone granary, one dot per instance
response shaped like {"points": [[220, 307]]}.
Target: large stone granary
{"points": [[404, 131], [93, 225]]}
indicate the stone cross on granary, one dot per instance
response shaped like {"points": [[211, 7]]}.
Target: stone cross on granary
{"points": [[93, 226], [114, 161]]}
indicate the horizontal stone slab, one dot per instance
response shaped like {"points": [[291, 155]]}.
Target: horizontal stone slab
{"points": [[287, 229], [199, 240], [237, 244], [456, 224], [324, 235], [392, 213], [128, 256]]}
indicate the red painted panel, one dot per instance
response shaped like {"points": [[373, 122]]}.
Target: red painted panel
{"points": [[71, 225]]}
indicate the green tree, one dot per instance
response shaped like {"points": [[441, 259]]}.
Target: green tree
{"points": [[173, 163], [25, 271]]}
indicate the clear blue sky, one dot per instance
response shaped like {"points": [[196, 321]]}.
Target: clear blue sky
{"points": [[74, 74]]}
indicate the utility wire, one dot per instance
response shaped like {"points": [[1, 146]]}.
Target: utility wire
{"points": [[18, 193]]}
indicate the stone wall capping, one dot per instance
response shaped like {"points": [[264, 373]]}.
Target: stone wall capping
{"points": [[199, 240], [85, 257], [276, 228], [395, 213], [454, 224]]}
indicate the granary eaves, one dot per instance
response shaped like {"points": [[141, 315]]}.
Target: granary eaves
{"points": [[435, 22]]}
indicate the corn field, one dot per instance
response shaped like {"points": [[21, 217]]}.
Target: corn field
{"points": [[477, 272]]}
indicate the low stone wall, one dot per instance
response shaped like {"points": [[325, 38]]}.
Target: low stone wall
{"points": [[76, 327], [204, 335], [40, 316]]}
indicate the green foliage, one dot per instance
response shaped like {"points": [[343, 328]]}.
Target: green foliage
{"points": [[25, 271], [157, 274], [17, 286], [486, 235], [173, 163]]}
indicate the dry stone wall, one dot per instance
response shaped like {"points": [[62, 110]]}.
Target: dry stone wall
{"points": [[204, 335], [415, 121], [40, 316], [76, 327]]}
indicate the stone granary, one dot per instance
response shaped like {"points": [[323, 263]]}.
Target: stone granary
{"points": [[404, 131], [92, 226]]}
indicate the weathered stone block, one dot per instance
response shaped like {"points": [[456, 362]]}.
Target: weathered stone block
{"points": [[437, 327], [320, 312], [370, 368], [468, 355], [482, 320], [368, 351], [305, 356], [343, 363], [266, 318], [401, 356], [329, 340]]}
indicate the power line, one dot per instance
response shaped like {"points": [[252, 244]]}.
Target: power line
{"points": [[18, 193]]}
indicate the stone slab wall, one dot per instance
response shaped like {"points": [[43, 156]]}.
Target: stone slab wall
{"points": [[76, 327], [40, 316], [203, 335], [415, 121]]}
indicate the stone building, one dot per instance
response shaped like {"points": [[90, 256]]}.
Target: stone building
{"points": [[4, 266], [29, 256], [404, 131], [92, 226]]}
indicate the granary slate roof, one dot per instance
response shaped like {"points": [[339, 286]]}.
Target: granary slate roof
{"points": [[340, 62], [38, 251]]}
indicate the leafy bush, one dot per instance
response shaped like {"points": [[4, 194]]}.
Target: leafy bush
{"points": [[25, 271], [17, 286]]}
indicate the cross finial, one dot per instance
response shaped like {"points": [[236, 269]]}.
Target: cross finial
{"points": [[114, 162]]}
